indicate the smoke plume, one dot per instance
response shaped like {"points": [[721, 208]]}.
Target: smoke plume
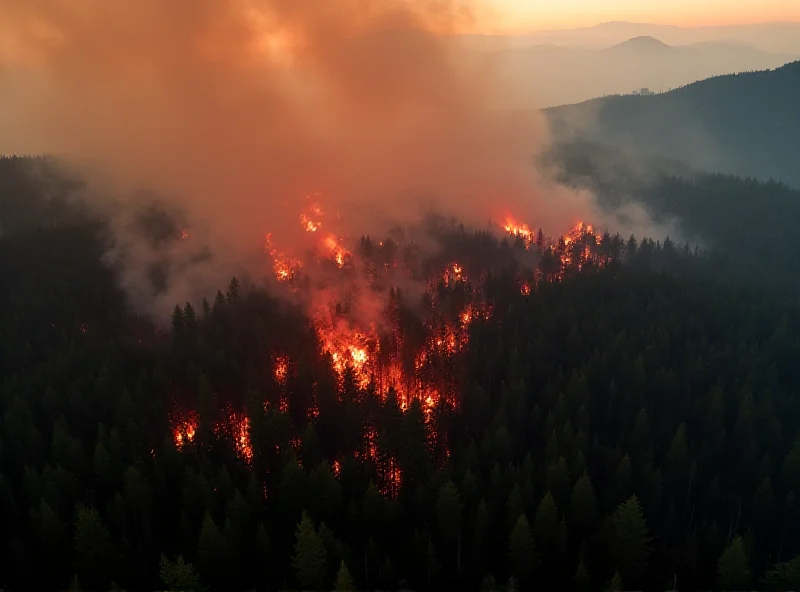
{"points": [[233, 109]]}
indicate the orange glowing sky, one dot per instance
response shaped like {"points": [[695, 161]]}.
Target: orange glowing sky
{"points": [[530, 15]]}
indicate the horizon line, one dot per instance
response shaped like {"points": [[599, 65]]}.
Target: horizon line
{"points": [[624, 22]]}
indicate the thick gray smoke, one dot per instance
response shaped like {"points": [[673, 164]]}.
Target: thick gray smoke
{"points": [[232, 109]]}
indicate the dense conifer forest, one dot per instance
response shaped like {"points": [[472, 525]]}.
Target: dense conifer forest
{"points": [[629, 424]]}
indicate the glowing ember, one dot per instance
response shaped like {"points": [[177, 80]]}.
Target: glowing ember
{"points": [[281, 369], [284, 267], [453, 273], [184, 430], [310, 218], [241, 436], [392, 478], [370, 443], [337, 468], [312, 412]]}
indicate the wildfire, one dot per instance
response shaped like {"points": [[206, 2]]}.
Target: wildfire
{"points": [[309, 224], [310, 218], [521, 230], [184, 430], [453, 273], [392, 478], [348, 349], [337, 251], [241, 436], [383, 360], [283, 266], [281, 369]]}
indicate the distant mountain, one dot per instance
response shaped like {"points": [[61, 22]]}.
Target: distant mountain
{"points": [[745, 124], [546, 75], [770, 37], [643, 43]]}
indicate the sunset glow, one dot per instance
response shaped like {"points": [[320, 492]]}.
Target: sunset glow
{"points": [[517, 16]]}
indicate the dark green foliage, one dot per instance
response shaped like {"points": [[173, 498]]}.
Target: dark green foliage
{"points": [[734, 567], [521, 550], [583, 507], [344, 581], [630, 542], [668, 385], [783, 576], [309, 558], [178, 576], [94, 550], [744, 225]]}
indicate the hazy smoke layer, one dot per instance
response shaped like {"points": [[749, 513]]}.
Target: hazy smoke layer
{"points": [[236, 107]]}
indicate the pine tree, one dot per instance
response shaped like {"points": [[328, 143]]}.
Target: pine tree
{"points": [[93, 548], [75, 585], [448, 515], [488, 584], [514, 506], [734, 569], [344, 581], [310, 557], [545, 525], [521, 550], [630, 541], [583, 507], [677, 464], [615, 584], [263, 553], [783, 576], [178, 576], [213, 553], [580, 579]]}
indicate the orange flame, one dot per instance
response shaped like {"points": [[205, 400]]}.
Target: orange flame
{"points": [[281, 369], [284, 267], [521, 230], [241, 434], [184, 430], [338, 252]]}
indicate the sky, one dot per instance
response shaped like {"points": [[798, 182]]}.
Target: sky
{"points": [[531, 15]]}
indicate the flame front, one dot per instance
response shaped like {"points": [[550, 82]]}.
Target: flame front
{"points": [[380, 356]]}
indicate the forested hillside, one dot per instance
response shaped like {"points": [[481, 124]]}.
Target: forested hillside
{"points": [[627, 421], [743, 124], [745, 225]]}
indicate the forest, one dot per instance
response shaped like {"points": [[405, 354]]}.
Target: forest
{"points": [[743, 124], [617, 415]]}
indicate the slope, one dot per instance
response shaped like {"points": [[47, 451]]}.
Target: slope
{"points": [[745, 124]]}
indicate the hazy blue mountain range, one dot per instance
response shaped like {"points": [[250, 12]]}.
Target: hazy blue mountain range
{"points": [[744, 124], [545, 75], [771, 37]]}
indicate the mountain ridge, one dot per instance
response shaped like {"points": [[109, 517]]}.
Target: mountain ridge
{"points": [[745, 124]]}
